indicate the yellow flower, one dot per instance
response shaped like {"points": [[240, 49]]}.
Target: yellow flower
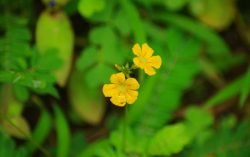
{"points": [[121, 90], [145, 60]]}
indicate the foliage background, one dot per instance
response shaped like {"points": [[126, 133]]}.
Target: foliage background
{"points": [[55, 55]]}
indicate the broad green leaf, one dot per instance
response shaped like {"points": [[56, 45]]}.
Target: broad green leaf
{"points": [[46, 62], [121, 22], [224, 94], [21, 93], [63, 133], [216, 14], [8, 147], [99, 75], [126, 140], [150, 113], [108, 50], [169, 140], [93, 148], [87, 59], [106, 14], [41, 131], [245, 89], [55, 32], [87, 104], [88, 7], [6, 76], [17, 126], [198, 119], [78, 143], [175, 5], [133, 17]]}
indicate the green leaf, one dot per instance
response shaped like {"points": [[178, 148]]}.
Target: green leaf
{"points": [[175, 5], [198, 119], [133, 17], [88, 7], [93, 148], [87, 58], [41, 131], [227, 92], [78, 142], [17, 126], [108, 50], [92, 77], [87, 104], [121, 23], [55, 32], [63, 133], [216, 45], [150, 113], [245, 89], [21, 93], [8, 147], [217, 14], [48, 61], [169, 140]]}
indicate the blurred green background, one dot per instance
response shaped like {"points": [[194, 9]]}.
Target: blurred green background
{"points": [[55, 56]]}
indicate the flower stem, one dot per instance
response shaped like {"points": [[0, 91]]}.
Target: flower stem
{"points": [[124, 130], [141, 76]]}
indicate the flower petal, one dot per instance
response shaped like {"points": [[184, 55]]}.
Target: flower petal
{"points": [[155, 61], [149, 70], [109, 90], [138, 62], [117, 78], [119, 100], [147, 51], [132, 83], [131, 96], [136, 49]]}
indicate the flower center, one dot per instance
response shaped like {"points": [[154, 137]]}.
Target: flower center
{"points": [[122, 88], [143, 60]]}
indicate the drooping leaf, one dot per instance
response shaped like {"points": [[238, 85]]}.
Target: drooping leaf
{"points": [[54, 32], [87, 104], [17, 126], [216, 14]]}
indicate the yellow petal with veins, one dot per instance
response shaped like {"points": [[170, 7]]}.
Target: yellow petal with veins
{"points": [[136, 49], [117, 78], [138, 62], [109, 90], [131, 96], [149, 70], [132, 83], [119, 100], [147, 51], [155, 61]]}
